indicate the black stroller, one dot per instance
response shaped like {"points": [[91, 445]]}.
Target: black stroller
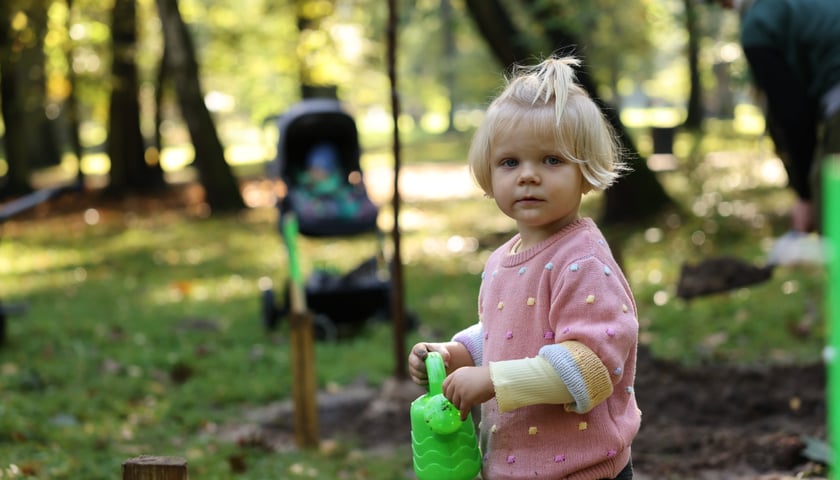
{"points": [[318, 160]]}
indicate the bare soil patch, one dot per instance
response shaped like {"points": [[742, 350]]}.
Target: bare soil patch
{"points": [[710, 422]]}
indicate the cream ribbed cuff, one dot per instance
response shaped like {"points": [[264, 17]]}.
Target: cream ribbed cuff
{"points": [[527, 381]]}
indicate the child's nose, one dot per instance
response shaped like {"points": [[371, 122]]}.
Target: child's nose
{"points": [[528, 174]]}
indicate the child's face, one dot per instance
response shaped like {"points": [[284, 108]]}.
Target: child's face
{"points": [[532, 184]]}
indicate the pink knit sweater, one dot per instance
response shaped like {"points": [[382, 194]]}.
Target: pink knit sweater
{"points": [[548, 300]]}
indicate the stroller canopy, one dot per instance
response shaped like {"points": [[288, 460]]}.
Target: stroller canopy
{"points": [[318, 158], [312, 122]]}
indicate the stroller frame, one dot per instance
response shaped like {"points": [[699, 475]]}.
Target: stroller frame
{"points": [[341, 304]]}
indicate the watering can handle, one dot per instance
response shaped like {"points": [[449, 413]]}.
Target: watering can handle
{"points": [[436, 371]]}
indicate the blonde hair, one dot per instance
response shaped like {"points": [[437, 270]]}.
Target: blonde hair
{"points": [[546, 97]]}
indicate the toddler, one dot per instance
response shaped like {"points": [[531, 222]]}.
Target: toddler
{"points": [[552, 358]]}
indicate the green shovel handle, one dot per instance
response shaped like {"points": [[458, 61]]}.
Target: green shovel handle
{"points": [[290, 233]]}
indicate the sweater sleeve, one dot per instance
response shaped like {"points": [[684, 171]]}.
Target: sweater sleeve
{"points": [[569, 373], [593, 317], [473, 339], [527, 381]]}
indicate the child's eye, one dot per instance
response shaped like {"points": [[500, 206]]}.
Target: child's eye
{"points": [[553, 160], [509, 162]]}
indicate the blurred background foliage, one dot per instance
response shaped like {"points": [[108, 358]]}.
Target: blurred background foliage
{"points": [[254, 55]]}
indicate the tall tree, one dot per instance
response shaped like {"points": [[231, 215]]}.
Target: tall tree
{"points": [[29, 138], [72, 102], [220, 185], [11, 99], [448, 23], [638, 195], [129, 169], [316, 49], [694, 117]]}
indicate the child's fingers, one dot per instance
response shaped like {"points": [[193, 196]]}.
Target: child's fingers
{"points": [[417, 360], [451, 392], [417, 364], [435, 347], [421, 350]]}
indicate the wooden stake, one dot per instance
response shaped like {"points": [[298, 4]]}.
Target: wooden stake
{"points": [[148, 467], [304, 389]]}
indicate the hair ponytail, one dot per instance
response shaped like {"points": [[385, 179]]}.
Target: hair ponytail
{"points": [[556, 76]]}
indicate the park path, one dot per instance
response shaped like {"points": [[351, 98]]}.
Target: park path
{"points": [[422, 182], [432, 181]]}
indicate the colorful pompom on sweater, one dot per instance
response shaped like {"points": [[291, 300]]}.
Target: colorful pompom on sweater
{"points": [[564, 300]]}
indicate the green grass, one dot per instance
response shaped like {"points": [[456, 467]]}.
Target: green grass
{"points": [[143, 333]]}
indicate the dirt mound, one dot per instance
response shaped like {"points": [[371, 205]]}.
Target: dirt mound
{"points": [[727, 421]]}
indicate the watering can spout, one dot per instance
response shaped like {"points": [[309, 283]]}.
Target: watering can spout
{"points": [[443, 446]]}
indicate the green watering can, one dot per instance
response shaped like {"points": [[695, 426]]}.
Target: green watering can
{"points": [[444, 447]]}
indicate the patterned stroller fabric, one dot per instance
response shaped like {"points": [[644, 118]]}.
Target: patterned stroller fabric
{"points": [[325, 203]]}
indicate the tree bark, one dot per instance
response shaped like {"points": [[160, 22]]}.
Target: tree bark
{"points": [[126, 147], [17, 176], [449, 53], [498, 30], [694, 118], [72, 107], [634, 197], [29, 138], [215, 175], [160, 87]]}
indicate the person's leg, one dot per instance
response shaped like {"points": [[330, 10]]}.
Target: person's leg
{"points": [[830, 145], [793, 115], [831, 134], [792, 121]]}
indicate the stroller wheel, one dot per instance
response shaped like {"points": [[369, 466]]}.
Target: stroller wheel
{"points": [[411, 320], [324, 328], [270, 313]]}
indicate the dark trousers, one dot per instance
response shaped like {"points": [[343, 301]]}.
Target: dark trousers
{"points": [[626, 473]]}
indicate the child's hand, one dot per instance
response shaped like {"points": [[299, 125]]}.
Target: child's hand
{"points": [[467, 387], [417, 360]]}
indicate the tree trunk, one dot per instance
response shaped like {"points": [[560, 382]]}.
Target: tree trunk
{"points": [[160, 87], [72, 107], [29, 137], [694, 119], [310, 53], [634, 197], [17, 177], [220, 185], [498, 30], [449, 53], [129, 170]]}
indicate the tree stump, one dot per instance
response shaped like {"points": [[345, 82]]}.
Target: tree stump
{"points": [[149, 467]]}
